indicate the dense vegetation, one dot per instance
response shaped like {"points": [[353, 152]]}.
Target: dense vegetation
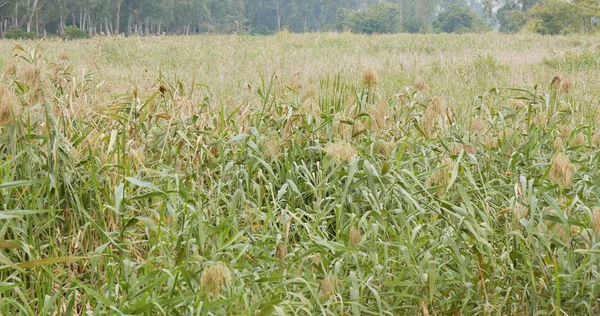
{"points": [[147, 17], [432, 174]]}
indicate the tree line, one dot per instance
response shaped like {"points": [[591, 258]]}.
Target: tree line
{"points": [[41, 18]]}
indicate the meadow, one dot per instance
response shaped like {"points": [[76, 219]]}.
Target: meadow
{"points": [[300, 174]]}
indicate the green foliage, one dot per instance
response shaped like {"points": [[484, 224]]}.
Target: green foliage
{"points": [[458, 19], [555, 17], [18, 34], [586, 59], [380, 18], [511, 21], [72, 32], [207, 188]]}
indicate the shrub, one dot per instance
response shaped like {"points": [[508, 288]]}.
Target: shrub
{"points": [[19, 34], [73, 32]]}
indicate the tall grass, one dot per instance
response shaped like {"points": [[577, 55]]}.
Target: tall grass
{"points": [[339, 188]]}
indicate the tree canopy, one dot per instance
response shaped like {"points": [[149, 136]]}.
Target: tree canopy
{"points": [[146, 17]]}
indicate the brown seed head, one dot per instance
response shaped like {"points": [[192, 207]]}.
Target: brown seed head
{"points": [[420, 85], [478, 125], [327, 286], [561, 170], [340, 151], [579, 140], [316, 259], [555, 84], [370, 78], [214, 276], [281, 251], [516, 104], [437, 107], [596, 140], [558, 144], [541, 120], [10, 70], [596, 220], [491, 143], [565, 131], [354, 236], [566, 86], [9, 105]]}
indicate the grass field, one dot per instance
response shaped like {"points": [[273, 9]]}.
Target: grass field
{"points": [[330, 174]]}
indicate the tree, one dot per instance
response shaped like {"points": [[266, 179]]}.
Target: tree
{"points": [[554, 17], [511, 20], [383, 17], [458, 20], [588, 12]]}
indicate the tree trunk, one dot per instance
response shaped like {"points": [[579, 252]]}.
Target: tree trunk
{"points": [[31, 15], [118, 30]]}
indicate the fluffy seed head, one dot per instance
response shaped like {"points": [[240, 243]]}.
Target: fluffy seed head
{"points": [[354, 236], [558, 144], [565, 131], [596, 140], [434, 114], [214, 276], [477, 125], [520, 212], [8, 105], [596, 220], [491, 143], [555, 84], [420, 85], [566, 86], [516, 104], [437, 106], [316, 259], [579, 140], [340, 151], [10, 70], [541, 120], [281, 251], [327, 286], [561, 170], [370, 78]]}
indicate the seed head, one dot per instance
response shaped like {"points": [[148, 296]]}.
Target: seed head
{"points": [[327, 286], [477, 125], [555, 84], [561, 170], [596, 140], [316, 259], [8, 105], [491, 143], [281, 251], [370, 78], [558, 144], [516, 104], [541, 120], [441, 176], [214, 276], [340, 151], [565, 131], [354, 236], [10, 70], [566, 86], [579, 140], [31, 75], [420, 85], [437, 107], [596, 220]]}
